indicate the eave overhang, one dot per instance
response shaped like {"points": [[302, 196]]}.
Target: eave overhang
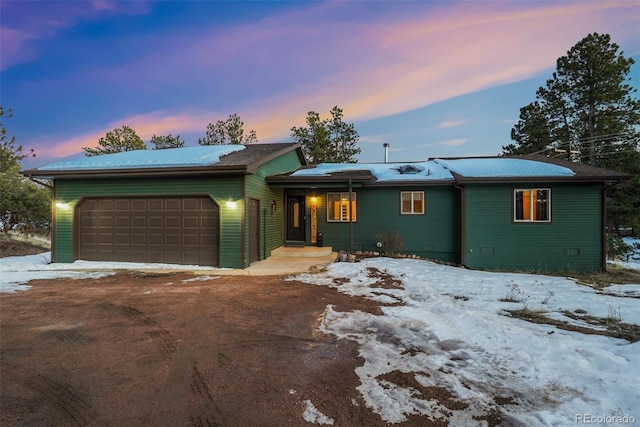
{"points": [[138, 172]]}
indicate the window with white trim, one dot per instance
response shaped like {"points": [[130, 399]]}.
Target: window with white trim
{"points": [[532, 205], [412, 202], [338, 209]]}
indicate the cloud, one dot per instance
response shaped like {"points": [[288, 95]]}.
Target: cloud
{"points": [[273, 71], [455, 142], [451, 123]]}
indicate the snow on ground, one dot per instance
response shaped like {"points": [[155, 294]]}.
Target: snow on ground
{"points": [[633, 260], [15, 272], [449, 329]]}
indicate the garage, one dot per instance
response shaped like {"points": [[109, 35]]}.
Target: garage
{"points": [[176, 230]]}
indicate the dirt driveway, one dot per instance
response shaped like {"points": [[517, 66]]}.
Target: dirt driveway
{"points": [[140, 349]]}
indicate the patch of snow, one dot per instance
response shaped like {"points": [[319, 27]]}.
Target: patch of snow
{"points": [[503, 167], [312, 415], [452, 331], [15, 272], [427, 171], [173, 157], [439, 169], [201, 279]]}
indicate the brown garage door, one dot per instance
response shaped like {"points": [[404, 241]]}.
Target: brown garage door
{"points": [[177, 230]]}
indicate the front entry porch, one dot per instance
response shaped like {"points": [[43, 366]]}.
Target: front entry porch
{"points": [[301, 251]]}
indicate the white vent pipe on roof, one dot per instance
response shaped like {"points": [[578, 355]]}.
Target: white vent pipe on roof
{"points": [[386, 152]]}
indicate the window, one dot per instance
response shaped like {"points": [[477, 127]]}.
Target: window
{"points": [[338, 209], [412, 202], [532, 205]]}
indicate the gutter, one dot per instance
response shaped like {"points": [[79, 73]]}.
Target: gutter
{"points": [[44, 184], [603, 227]]}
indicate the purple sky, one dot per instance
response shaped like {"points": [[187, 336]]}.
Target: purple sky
{"points": [[443, 78]]}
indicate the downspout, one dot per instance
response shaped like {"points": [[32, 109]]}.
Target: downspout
{"points": [[463, 224], [54, 220], [350, 217], [264, 240], [603, 227]]}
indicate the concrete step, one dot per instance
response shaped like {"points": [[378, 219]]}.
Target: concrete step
{"points": [[301, 251]]}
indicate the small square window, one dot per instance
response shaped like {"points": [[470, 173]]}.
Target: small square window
{"points": [[412, 202]]}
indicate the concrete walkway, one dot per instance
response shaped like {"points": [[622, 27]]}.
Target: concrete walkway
{"points": [[278, 265], [289, 265]]}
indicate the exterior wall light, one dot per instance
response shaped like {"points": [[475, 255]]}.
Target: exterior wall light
{"points": [[231, 204], [62, 205]]}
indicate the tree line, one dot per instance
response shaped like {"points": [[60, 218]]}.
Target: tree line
{"points": [[323, 141]]}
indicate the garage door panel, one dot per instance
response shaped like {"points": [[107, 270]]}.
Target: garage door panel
{"points": [[105, 204], [191, 205], [173, 205], [190, 222], [172, 240], [139, 205], [155, 205], [155, 222], [122, 239], [105, 239], [190, 240], [181, 230], [139, 222], [172, 222], [122, 205], [138, 239], [105, 221], [122, 222], [208, 223]]}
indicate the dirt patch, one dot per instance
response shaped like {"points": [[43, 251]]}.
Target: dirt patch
{"points": [[156, 349], [10, 247], [608, 327]]}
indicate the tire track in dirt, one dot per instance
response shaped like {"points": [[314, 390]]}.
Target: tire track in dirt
{"points": [[205, 406], [186, 382], [159, 335], [72, 406]]}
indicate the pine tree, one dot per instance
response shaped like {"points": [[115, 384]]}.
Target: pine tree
{"points": [[588, 105], [116, 141], [166, 141], [230, 131], [327, 141]]}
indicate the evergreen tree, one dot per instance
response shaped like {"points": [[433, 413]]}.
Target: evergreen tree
{"points": [[116, 141], [230, 131], [327, 141], [166, 141], [23, 204], [532, 133], [589, 106]]}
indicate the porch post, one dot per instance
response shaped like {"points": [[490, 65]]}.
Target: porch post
{"points": [[350, 217]]}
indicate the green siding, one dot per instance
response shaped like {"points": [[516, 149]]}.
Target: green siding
{"points": [[432, 235], [271, 226], [570, 242], [70, 192]]}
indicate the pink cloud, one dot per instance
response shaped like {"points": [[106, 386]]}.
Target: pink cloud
{"points": [[373, 69]]}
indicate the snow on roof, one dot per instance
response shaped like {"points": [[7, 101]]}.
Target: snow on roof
{"points": [[172, 157], [503, 167], [421, 171]]}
